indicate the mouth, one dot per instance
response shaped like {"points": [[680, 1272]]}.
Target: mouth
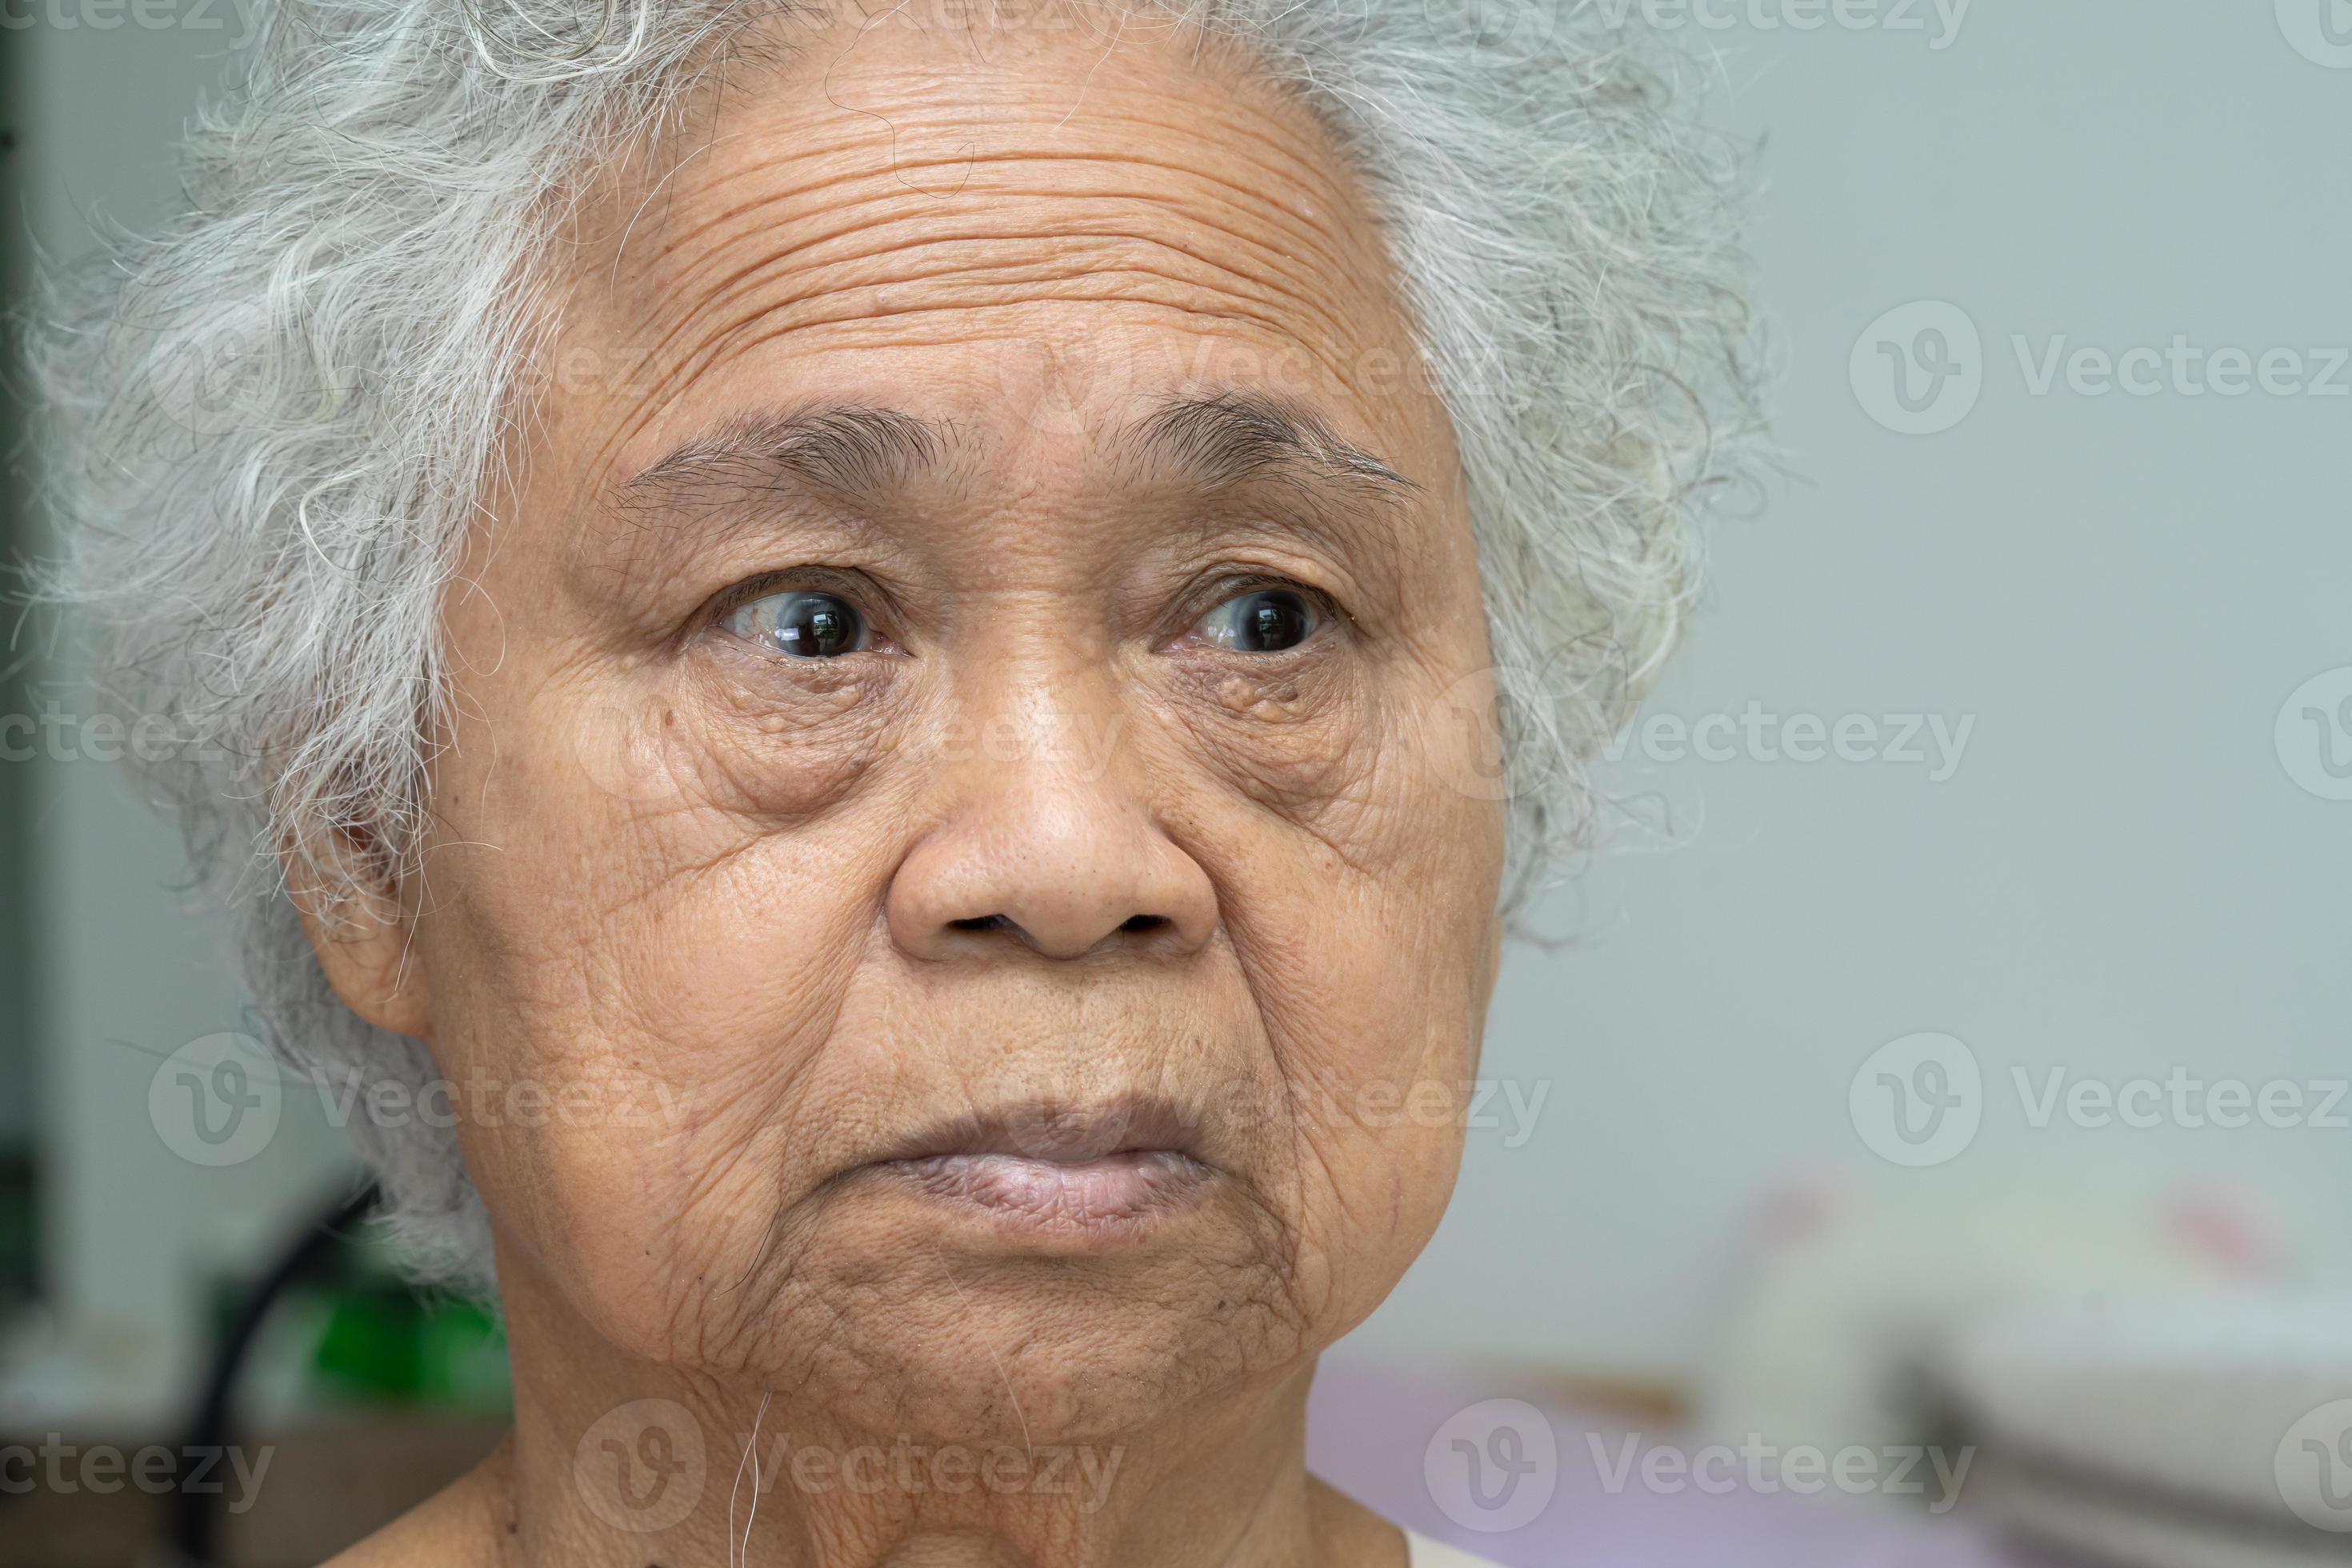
{"points": [[1081, 1172]]}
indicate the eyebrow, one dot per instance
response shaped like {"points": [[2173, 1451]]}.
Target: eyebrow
{"points": [[1213, 442], [1233, 437], [847, 447]]}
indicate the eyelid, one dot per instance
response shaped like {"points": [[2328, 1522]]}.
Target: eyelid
{"points": [[863, 592], [833, 579], [1222, 591], [860, 590]]}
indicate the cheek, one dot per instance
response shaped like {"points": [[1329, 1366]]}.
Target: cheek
{"points": [[720, 746], [687, 1031], [1362, 924], [672, 970], [1361, 875]]}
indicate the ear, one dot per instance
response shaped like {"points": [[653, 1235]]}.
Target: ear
{"points": [[362, 930]]}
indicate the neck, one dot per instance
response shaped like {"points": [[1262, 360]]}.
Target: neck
{"points": [[617, 1464]]}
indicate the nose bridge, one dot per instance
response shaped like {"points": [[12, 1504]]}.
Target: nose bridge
{"points": [[1041, 718], [1044, 832]]}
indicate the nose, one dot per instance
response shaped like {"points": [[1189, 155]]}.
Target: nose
{"points": [[1050, 846]]}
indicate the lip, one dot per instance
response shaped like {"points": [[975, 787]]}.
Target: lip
{"points": [[1043, 1171]]}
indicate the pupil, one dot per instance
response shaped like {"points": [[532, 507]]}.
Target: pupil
{"points": [[819, 625], [1273, 623]]}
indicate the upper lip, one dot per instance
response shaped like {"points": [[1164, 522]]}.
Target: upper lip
{"points": [[1058, 1130]]}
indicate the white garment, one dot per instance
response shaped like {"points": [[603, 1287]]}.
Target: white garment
{"points": [[1420, 1551]]}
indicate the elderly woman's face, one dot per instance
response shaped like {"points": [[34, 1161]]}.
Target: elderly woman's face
{"points": [[966, 746]]}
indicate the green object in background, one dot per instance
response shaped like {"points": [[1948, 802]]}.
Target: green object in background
{"points": [[346, 1331], [392, 1346]]}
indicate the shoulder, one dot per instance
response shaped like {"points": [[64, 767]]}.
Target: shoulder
{"points": [[457, 1527]]}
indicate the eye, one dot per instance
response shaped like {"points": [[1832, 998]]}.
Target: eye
{"points": [[1263, 620], [802, 623]]}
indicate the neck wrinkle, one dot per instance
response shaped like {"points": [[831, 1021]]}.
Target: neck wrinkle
{"points": [[1221, 1483]]}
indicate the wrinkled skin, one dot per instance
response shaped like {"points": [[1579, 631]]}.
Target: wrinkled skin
{"points": [[737, 905]]}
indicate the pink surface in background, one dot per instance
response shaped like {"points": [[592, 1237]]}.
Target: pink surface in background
{"points": [[1368, 1429]]}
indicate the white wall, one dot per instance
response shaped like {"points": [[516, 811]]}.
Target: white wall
{"points": [[2120, 875]]}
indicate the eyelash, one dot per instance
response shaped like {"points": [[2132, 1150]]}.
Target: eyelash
{"points": [[858, 590], [863, 592], [1329, 611]]}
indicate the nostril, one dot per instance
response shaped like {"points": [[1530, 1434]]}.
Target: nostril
{"points": [[1007, 923]]}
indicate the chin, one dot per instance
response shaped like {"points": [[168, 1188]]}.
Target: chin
{"points": [[904, 1312]]}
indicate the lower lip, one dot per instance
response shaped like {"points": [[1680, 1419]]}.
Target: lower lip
{"points": [[1109, 1194]]}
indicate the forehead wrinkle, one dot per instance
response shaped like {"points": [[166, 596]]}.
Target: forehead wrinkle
{"points": [[1265, 265], [1104, 212], [1289, 167], [740, 322], [771, 297], [1266, 229], [1019, 289], [979, 284], [1306, 233]]}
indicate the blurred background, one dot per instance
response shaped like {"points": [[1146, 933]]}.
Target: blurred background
{"points": [[1951, 1059]]}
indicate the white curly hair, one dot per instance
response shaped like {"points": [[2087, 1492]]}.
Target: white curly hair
{"points": [[270, 424]]}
